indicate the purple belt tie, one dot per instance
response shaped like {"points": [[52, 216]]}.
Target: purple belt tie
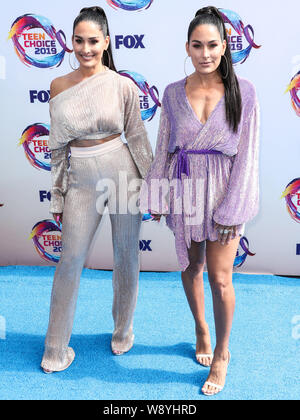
{"points": [[183, 166]]}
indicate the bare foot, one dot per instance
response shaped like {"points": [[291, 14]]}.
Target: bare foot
{"points": [[203, 346], [217, 376]]}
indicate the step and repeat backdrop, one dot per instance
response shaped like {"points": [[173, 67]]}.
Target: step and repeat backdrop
{"points": [[148, 39]]}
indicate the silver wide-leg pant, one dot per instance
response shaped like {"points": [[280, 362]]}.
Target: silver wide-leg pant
{"points": [[81, 217]]}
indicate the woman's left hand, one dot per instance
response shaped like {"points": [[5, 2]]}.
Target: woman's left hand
{"points": [[226, 233]]}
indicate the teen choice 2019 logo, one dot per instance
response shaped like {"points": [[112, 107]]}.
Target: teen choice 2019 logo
{"points": [[240, 37], [37, 43], [130, 5], [46, 237], [147, 111], [292, 198], [242, 256], [294, 88], [35, 143]]}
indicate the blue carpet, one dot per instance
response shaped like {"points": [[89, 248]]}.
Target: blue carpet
{"points": [[161, 366]]}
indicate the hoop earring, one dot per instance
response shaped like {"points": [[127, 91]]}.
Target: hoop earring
{"points": [[73, 68], [185, 65], [109, 59], [227, 65]]}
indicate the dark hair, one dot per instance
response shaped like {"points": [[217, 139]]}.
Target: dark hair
{"points": [[97, 15], [233, 101]]}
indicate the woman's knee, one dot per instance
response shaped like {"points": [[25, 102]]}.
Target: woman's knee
{"points": [[126, 258], [221, 282], [195, 269], [71, 260], [196, 259]]}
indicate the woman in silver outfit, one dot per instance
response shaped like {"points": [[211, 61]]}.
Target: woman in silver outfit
{"points": [[90, 108]]}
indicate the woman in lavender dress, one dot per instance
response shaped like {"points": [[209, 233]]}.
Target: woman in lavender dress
{"points": [[207, 152]]}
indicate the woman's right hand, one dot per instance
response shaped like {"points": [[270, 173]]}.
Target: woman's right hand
{"points": [[58, 217]]}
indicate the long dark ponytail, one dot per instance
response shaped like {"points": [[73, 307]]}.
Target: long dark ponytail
{"points": [[97, 14], [233, 101]]}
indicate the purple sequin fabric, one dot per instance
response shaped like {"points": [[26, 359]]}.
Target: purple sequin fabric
{"points": [[221, 188]]}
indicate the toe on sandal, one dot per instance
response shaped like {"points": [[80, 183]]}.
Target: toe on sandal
{"points": [[218, 387], [117, 352], [204, 356]]}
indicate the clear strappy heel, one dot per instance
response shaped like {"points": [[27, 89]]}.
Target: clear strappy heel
{"points": [[218, 388]]}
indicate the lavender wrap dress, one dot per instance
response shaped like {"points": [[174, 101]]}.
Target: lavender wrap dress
{"points": [[223, 188]]}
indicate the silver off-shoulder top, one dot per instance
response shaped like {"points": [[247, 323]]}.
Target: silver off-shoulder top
{"points": [[98, 107]]}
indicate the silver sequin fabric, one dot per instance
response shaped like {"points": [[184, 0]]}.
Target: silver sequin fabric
{"points": [[84, 206], [98, 107], [222, 188]]}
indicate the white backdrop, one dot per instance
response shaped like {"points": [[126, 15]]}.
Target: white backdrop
{"points": [[159, 35]]}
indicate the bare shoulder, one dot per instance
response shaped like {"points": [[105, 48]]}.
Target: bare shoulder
{"points": [[60, 84]]}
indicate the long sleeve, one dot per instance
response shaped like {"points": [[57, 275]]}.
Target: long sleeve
{"points": [[135, 132], [157, 171], [59, 176], [241, 202]]}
